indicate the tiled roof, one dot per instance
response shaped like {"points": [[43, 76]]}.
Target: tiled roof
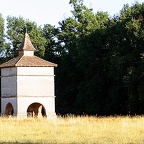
{"points": [[11, 62], [26, 44], [34, 61], [25, 60]]}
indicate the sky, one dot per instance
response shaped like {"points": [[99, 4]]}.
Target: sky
{"points": [[52, 11]]}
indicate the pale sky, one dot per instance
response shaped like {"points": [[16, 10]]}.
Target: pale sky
{"points": [[53, 11]]}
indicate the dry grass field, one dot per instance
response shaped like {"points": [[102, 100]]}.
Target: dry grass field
{"points": [[73, 130]]}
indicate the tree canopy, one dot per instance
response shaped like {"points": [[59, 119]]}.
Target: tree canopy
{"points": [[100, 58]]}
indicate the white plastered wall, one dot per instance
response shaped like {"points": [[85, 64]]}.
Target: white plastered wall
{"points": [[28, 85], [36, 85], [8, 88], [8, 82], [5, 101], [47, 102], [35, 81]]}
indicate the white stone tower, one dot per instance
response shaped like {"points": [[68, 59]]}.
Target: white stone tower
{"points": [[27, 84]]}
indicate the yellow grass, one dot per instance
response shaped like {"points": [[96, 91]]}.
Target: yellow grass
{"points": [[71, 130]]}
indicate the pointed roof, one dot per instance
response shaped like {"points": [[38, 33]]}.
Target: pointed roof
{"points": [[27, 61], [26, 44]]}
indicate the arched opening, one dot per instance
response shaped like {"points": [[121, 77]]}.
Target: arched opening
{"points": [[36, 110], [9, 110]]}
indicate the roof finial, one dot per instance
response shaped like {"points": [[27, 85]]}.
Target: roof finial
{"points": [[26, 27]]}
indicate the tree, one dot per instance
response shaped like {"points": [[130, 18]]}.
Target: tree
{"points": [[52, 46], [126, 62], [77, 72], [101, 71], [16, 28], [100, 59], [1, 37]]}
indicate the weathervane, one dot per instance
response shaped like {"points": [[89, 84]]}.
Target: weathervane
{"points": [[26, 27]]}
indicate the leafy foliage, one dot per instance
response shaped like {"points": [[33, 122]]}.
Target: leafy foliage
{"points": [[100, 59], [16, 27], [1, 36]]}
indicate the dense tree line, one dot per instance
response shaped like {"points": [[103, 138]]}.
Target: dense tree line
{"points": [[100, 58]]}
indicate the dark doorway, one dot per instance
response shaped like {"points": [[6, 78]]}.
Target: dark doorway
{"points": [[9, 110], [36, 110]]}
